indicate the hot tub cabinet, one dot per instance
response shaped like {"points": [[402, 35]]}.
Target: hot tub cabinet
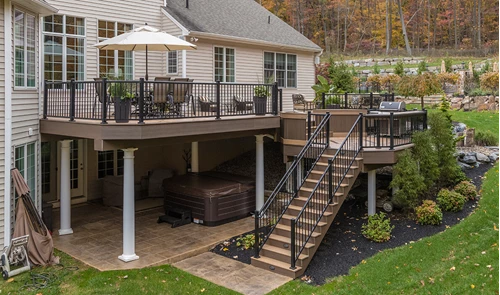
{"points": [[214, 197]]}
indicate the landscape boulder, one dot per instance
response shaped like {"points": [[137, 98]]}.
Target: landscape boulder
{"points": [[469, 159], [464, 166], [493, 157], [482, 158]]}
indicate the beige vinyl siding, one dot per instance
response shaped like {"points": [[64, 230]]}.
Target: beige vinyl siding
{"points": [[250, 66], [2, 120], [171, 28], [132, 12]]}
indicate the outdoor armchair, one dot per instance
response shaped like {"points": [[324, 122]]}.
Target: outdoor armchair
{"points": [[301, 104], [240, 105], [207, 105]]}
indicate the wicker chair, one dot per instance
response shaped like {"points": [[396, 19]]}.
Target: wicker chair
{"points": [[301, 104]]}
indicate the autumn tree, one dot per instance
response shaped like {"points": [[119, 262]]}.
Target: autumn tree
{"points": [[419, 86]]}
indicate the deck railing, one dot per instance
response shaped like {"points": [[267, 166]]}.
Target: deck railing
{"points": [[151, 100], [324, 191], [354, 100], [389, 129], [287, 189]]}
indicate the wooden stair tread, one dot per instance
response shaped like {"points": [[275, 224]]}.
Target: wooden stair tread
{"points": [[286, 240], [310, 190], [277, 263], [298, 208], [305, 199], [287, 228], [340, 157], [282, 251], [334, 174], [316, 181], [308, 221]]}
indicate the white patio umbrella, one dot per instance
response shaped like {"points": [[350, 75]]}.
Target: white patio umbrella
{"points": [[145, 38]]}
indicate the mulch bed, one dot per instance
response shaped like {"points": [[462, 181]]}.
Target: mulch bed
{"points": [[344, 246]]}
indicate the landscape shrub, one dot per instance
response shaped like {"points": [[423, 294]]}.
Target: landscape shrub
{"points": [[485, 138], [341, 77], [422, 67], [407, 180], [444, 144], [247, 241], [489, 81], [427, 159], [374, 81], [450, 200], [466, 189], [448, 62], [399, 69], [389, 82], [376, 68], [429, 213], [378, 228]]}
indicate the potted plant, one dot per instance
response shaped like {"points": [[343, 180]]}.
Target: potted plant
{"points": [[332, 102], [121, 97], [261, 93]]}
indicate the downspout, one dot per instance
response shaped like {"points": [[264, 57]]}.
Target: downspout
{"points": [[184, 62], [8, 118]]}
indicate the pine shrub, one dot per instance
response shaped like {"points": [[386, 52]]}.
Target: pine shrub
{"points": [[429, 213], [466, 189], [410, 184], [450, 200], [378, 228], [485, 138]]}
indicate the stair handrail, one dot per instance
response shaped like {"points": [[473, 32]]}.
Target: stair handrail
{"points": [[352, 144], [322, 133]]}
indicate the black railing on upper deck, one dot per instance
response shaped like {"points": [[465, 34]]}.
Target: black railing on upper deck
{"points": [[151, 100], [390, 129], [354, 100]]}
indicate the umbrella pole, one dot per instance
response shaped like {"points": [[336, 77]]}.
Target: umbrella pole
{"points": [[146, 62]]}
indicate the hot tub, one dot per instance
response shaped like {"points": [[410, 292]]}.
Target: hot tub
{"points": [[213, 197]]}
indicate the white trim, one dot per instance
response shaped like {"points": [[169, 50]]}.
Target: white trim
{"points": [[224, 62], [178, 24], [41, 7], [241, 40], [8, 118]]}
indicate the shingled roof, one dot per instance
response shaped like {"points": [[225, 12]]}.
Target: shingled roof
{"points": [[236, 18]]}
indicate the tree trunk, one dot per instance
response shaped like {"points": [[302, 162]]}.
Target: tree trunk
{"points": [[473, 29], [388, 26], [403, 27], [479, 24], [455, 22], [429, 25], [345, 23]]}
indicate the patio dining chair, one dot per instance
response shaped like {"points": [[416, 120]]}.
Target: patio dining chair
{"points": [[160, 101], [98, 95], [180, 95], [301, 104], [207, 105]]}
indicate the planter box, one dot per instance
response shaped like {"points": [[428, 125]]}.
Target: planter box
{"points": [[122, 110], [260, 105]]}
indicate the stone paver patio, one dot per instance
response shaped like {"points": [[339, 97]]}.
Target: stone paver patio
{"points": [[97, 237], [232, 274]]}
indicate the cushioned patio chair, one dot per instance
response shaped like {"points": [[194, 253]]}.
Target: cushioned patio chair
{"points": [[207, 105], [240, 105], [301, 104], [181, 94], [160, 101], [98, 95]]}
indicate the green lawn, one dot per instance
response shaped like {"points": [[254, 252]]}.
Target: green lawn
{"points": [[461, 260], [86, 280]]}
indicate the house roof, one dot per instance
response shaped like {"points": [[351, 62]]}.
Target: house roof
{"points": [[237, 18], [40, 6]]}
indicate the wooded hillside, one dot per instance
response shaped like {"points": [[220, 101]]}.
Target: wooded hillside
{"points": [[377, 26]]}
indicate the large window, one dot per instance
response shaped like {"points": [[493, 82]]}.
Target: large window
{"points": [[25, 162], [63, 47], [224, 64], [109, 163], [172, 62], [24, 40], [114, 62], [282, 68]]}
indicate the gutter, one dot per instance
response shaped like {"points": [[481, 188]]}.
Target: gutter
{"points": [[8, 119], [43, 8], [253, 41]]}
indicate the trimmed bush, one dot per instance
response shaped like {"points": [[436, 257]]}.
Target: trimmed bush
{"points": [[378, 228], [466, 189], [485, 138], [450, 200], [407, 179], [429, 213]]}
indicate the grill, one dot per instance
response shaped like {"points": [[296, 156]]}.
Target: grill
{"points": [[391, 106]]}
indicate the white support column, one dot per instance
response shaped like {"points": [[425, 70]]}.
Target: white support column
{"points": [[65, 189], [184, 62], [128, 207], [372, 189], [195, 164], [259, 172]]}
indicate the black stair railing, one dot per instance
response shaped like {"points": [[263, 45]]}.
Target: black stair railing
{"points": [[287, 189], [324, 192]]}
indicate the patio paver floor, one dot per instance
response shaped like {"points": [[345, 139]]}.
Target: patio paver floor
{"points": [[232, 274], [97, 237]]}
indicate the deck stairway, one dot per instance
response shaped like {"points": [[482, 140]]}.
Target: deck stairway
{"points": [[299, 212]]}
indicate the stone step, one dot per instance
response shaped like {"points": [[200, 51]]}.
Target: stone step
{"points": [[277, 266]]}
